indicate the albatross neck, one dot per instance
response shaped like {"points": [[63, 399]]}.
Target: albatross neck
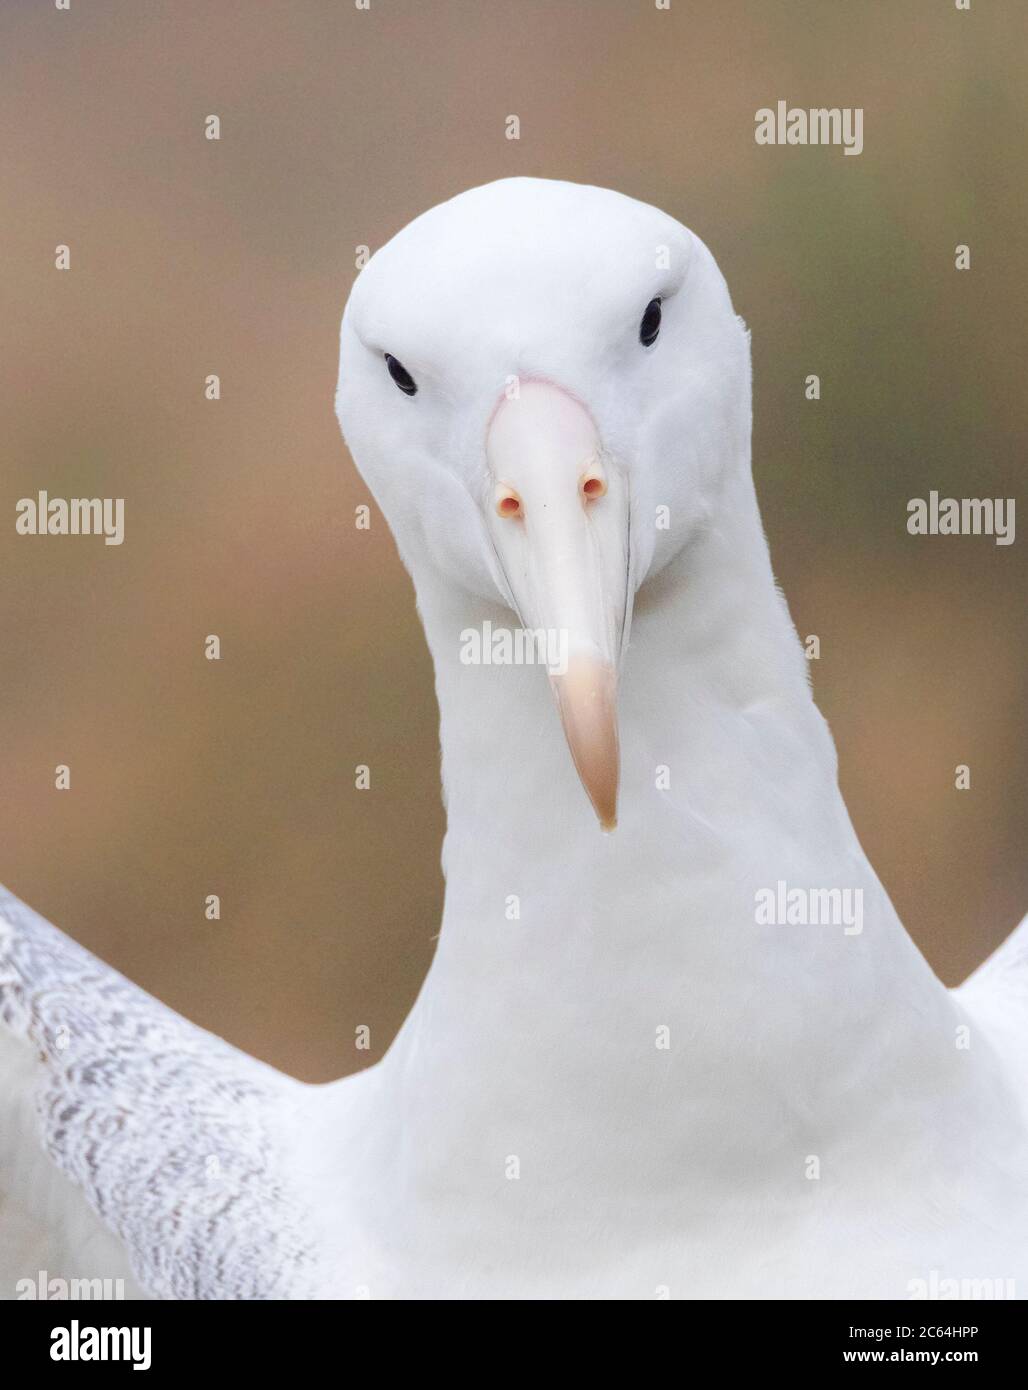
{"points": [[728, 790], [607, 1008]]}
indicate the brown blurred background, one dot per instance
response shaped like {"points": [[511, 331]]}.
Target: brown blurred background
{"points": [[191, 257]]}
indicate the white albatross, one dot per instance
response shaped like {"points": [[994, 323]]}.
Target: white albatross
{"points": [[636, 1086]]}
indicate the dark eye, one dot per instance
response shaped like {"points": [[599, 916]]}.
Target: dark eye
{"points": [[402, 376], [650, 326]]}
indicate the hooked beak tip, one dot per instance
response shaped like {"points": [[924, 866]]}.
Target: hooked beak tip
{"points": [[587, 700]]}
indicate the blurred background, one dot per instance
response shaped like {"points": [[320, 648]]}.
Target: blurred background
{"points": [[235, 257]]}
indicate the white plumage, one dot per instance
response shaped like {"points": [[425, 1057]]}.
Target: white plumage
{"points": [[616, 1080]]}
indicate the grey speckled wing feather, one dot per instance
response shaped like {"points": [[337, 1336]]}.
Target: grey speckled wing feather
{"points": [[180, 1142]]}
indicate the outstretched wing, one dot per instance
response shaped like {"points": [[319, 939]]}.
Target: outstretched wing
{"points": [[181, 1143]]}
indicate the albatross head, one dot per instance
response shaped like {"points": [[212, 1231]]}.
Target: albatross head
{"points": [[544, 385]]}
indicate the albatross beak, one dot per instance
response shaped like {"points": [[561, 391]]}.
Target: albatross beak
{"points": [[559, 518]]}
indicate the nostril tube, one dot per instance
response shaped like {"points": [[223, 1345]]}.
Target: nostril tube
{"points": [[508, 503], [593, 485]]}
